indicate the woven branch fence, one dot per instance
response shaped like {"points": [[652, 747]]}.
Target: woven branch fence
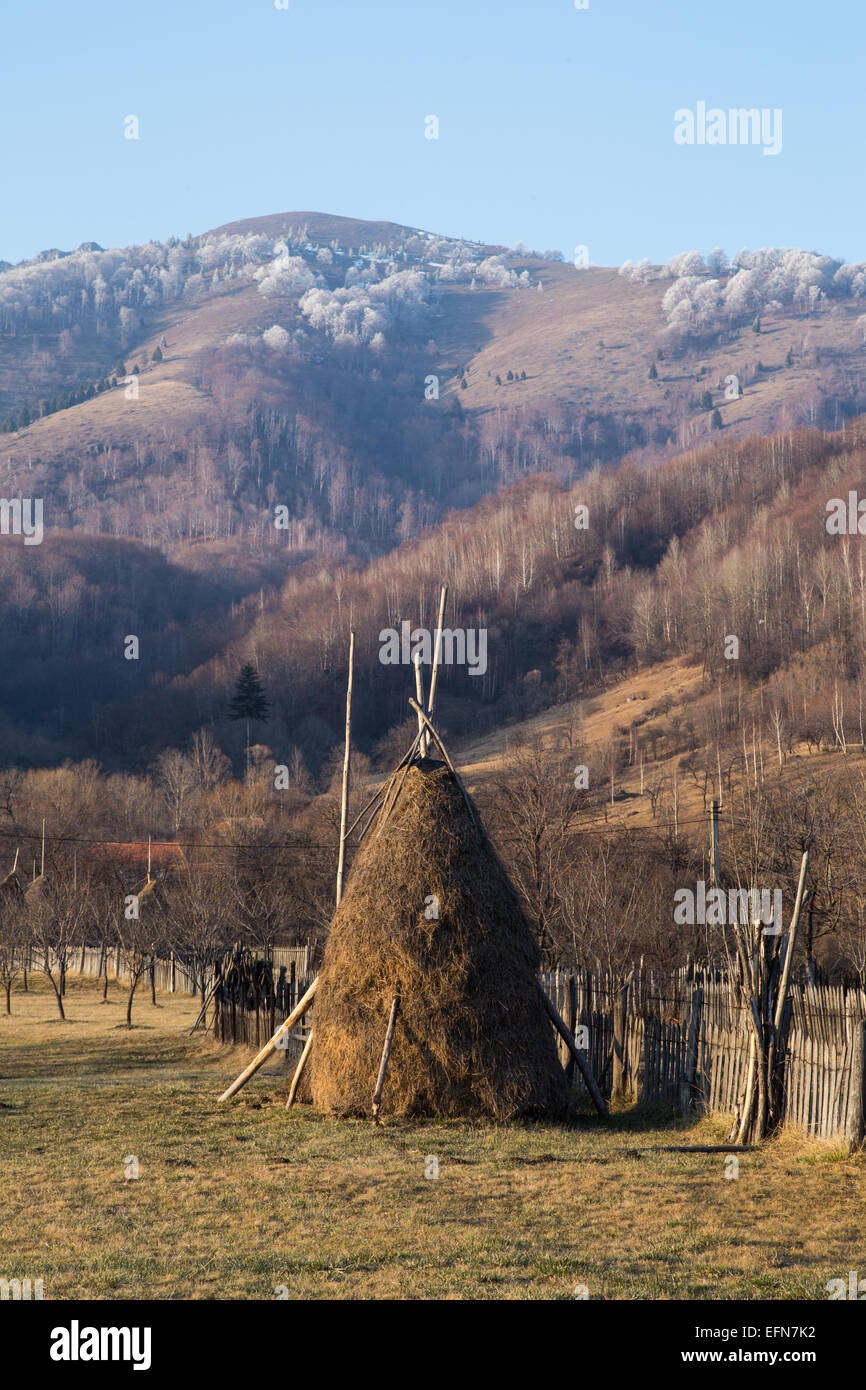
{"points": [[682, 1039], [677, 1038]]}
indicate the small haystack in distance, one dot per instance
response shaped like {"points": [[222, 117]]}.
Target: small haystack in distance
{"points": [[429, 915]]}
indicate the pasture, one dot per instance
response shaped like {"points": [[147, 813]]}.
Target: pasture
{"points": [[243, 1199]]}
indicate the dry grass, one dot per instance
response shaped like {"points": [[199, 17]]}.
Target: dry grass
{"points": [[236, 1200]]}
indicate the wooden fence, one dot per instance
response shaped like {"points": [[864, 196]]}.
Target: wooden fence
{"points": [[682, 1039], [170, 974], [674, 1038]]}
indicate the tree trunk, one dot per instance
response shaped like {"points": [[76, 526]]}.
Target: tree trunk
{"points": [[129, 1000], [8, 994], [57, 995]]}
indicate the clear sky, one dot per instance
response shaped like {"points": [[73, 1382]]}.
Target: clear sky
{"points": [[556, 125]]}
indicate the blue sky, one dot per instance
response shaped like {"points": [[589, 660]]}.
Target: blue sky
{"points": [[556, 124]]}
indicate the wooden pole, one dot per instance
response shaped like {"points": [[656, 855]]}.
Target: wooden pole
{"points": [[297, 1012], [583, 1066], [792, 935], [857, 1095], [619, 1012], [437, 651], [388, 807], [419, 696], [441, 746], [692, 1046], [344, 798], [714, 844], [572, 1023], [302, 1062], [386, 1053]]}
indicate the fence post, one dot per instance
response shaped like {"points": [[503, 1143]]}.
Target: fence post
{"points": [[857, 1093], [619, 1009], [572, 1024], [688, 1089]]}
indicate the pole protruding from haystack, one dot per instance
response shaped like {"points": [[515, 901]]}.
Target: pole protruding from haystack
{"points": [[441, 746], [437, 652], [259, 1060], [386, 1053], [419, 696], [344, 794]]}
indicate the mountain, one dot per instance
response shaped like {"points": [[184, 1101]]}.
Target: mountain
{"points": [[249, 440]]}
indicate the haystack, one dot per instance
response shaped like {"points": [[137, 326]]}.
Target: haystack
{"points": [[429, 915]]}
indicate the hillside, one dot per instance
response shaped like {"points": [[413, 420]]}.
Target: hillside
{"points": [[269, 461], [586, 338]]}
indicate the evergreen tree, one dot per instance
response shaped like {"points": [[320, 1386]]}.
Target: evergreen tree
{"points": [[249, 703], [707, 400], [156, 355], [249, 700], [653, 373], [789, 360], [716, 420]]}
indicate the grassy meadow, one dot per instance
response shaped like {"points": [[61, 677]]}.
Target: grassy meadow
{"points": [[247, 1198]]}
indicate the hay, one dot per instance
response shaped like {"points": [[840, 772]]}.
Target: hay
{"points": [[472, 1036]]}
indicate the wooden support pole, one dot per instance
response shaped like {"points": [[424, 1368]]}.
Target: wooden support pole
{"points": [[387, 807], [792, 936], [302, 1062], [386, 1053], [437, 651], [442, 749], [854, 1128], [583, 1066], [419, 696], [259, 1060], [344, 796]]}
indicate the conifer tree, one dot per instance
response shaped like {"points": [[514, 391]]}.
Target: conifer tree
{"points": [[249, 703]]}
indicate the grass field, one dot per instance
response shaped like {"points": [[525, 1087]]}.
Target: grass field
{"points": [[237, 1200]]}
